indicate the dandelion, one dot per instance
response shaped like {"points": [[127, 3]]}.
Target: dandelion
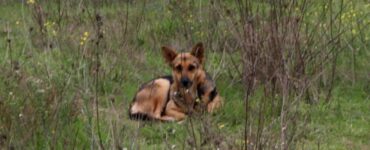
{"points": [[354, 31], [17, 22], [86, 34], [10, 93], [31, 2], [84, 38]]}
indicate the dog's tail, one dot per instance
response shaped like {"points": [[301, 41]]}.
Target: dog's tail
{"points": [[134, 114], [139, 116]]}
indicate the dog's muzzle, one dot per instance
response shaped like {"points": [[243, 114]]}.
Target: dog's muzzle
{"points": [[186, 82]]}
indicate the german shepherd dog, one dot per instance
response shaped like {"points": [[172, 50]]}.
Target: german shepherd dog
{"points": [[172, 98]]}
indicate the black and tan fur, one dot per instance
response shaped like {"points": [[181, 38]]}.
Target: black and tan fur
{"points": [[172, 98]]}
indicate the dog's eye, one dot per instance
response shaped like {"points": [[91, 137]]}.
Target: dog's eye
{"points": [[191, 68], [178, 68]]}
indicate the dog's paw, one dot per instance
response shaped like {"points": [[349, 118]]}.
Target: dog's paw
{"points": [[168, 118], [181, 121]]}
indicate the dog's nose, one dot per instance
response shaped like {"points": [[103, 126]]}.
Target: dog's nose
{"points": [[185, 82]]}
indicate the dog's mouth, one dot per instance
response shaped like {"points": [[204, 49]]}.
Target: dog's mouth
{"points": [[187, 87]]}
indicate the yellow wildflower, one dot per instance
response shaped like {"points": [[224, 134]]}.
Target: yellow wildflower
{"points": [[86, 34], [84, 38], [221, 126], [31, 1], [49, 24], [17, 22]]}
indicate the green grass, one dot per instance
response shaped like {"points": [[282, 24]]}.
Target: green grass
{"points": [[48, 101], [342, 124]]}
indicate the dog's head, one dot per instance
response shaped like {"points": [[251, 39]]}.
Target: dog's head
{"points": [[185, 66]]}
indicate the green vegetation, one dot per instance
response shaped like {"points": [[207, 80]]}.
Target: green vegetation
{"points": [[57, 59]]}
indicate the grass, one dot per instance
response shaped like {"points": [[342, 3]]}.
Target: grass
{"points": [[47, 91], [343, 123]]}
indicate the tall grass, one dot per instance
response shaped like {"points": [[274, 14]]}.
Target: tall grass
{"points": [[70, 69]]}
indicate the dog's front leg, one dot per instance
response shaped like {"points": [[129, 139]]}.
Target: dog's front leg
{"points": [[215, 104], [173, 111]]}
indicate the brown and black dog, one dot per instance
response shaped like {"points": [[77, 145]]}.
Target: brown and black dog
{"points": [[171, 98]]}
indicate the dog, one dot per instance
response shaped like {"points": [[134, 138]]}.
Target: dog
{"points": [[171, 98]]}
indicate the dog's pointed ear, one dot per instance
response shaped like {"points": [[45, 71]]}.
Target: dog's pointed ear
{"points": [[169, 54], [198, 51]]}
